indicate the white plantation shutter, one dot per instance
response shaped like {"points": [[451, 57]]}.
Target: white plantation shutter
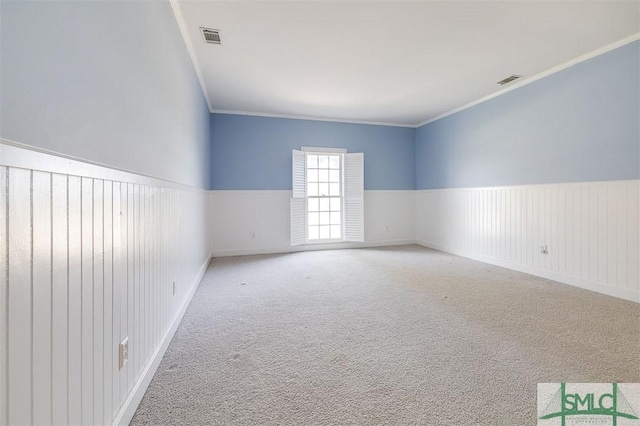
{"points": [[299, 177], [354, 197], [298, 200]]}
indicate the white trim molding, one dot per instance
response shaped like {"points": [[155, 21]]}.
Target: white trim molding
{"points": [[310, 247], [16, 154], [529, 80], [517, 85], [175, 5], [312, 118], [130, 405], [319, 149], [621, 293]]}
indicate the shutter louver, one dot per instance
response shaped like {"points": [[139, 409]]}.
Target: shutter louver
{"points": [[354, 197], [299, 177], [299, 190]]}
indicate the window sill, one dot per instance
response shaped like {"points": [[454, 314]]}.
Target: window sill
{"points": [[326, 241]]}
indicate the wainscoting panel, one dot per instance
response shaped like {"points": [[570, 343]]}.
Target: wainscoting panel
{"points": [[85, 263], [252, 222], [590, 230]]}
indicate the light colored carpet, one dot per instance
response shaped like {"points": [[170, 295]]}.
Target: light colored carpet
{"points": [[401, 335]]}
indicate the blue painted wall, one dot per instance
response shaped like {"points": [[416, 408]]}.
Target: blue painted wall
{"points": [[255, 152], [106, 81], [581, 124], [130, 99]]}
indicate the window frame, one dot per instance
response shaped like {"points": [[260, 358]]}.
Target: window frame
{"points": [[310, 150]]}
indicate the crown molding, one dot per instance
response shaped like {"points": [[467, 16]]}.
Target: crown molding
{"points": [[311, 118], [177, 11], [182, 25], [543, 74]]}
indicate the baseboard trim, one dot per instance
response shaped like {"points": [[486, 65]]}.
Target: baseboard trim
{"points": [[338, 246], [597, 287], [130, 405]]}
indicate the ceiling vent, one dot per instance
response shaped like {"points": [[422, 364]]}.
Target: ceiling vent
{"points": [[210, 35], [509, 79]]}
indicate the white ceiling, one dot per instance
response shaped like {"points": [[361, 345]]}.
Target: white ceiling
{"points": [[386, 62]]}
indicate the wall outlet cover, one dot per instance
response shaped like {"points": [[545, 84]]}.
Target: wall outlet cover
{"points": [[124, 352]]}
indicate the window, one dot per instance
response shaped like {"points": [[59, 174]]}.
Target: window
{"points": [[324, 196], [327, 203]]}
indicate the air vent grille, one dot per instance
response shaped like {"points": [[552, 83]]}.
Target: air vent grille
{"points": [[210, 35], [509, 79]]}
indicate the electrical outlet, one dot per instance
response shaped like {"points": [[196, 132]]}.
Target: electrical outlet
{"points": [[124, 352], [544, 250]]}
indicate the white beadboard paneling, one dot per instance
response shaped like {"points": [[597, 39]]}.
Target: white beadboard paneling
{"points": [[148, 308], [573, 243], [603, 235], [135, 346], [155, 268], [126, 313], [585, 234], [19, 304], [612, 236], [561, 235], [633, 238], [60, 289], [119, 286], [389, 216], [590, 229], [85, 262], [593, 218], [107, 299], [238, 215], [98, 301], [42, 299], [74, 318], [86, 372]]}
